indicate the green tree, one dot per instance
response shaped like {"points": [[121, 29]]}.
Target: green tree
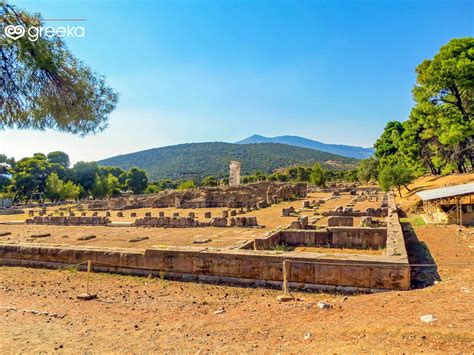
{"points": [[70, 191], [45, 86], [113, 184], [54, 187], [444, 95], [60, 158], [395, 176], [58, 190], [209, 181], [387, 145], [137, 180], [317, 176], [5, 183], [152, 188], [101, 187], [30, 174], [84, 174], [368, 170], [189, 184]]}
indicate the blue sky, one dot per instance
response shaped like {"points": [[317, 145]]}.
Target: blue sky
{"points": [[194, 71]]}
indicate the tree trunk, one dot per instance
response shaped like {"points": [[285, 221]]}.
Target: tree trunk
{"points": [[399, 191], [406, 187]]}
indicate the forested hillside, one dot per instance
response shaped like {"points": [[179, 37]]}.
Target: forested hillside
{"points": [[203, 159]]}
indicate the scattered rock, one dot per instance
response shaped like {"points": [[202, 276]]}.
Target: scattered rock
{"points": [[86, 296], [87, 237], [428, 318], [308, 335], [220, 311], [324, 305], [285, 298], [201, 241], [137, 239], [2, 234], [43, 235]]}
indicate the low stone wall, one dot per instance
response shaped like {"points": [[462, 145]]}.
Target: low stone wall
{"points": [[372, 212], [358, 237], [336, 237], [69, 221], [395, 240], [261, 268], [190, 222], [9, 211]]}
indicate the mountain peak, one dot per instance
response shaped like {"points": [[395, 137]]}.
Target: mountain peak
{"points": [[340, 149]]}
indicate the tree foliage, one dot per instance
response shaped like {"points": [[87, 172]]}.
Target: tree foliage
{"points": [[137, 181], [368, 170], [58, 190], [438, 136], [189, 184], [317, 176], [395, 176], [45, 86]]}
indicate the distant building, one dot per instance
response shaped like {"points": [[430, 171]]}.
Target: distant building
{"points": [[234, 173], [449, 205]]}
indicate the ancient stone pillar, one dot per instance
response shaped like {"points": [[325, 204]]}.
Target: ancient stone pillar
{"points": [[234, 173]]}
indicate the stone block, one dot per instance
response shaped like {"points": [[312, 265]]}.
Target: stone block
{"points": [[335, 221]]}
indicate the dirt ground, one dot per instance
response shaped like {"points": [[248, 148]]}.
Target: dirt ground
{"points": [[137, 314], [39, 311]]}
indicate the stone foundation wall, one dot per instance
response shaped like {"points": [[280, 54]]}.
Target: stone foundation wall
{"points": [[372, 212], [358, 237], [335, 237], [190, 222], [198, 263], [66, 221]]}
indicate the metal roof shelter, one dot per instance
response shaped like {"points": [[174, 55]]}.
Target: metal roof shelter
{"points": [[444, 192], [449, 197]]}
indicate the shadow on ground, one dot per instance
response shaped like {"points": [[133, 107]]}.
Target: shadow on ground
{"points": [[418, 253]]}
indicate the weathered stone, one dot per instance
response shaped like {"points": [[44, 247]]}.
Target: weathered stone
{"points": [[218, 222], [304, 221], [296, 225], [120, 214], [334, 221], [225, 214], [324, 305], [87, 237], [207, 214]]}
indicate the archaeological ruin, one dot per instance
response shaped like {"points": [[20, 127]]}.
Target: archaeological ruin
{"points": [[336, 239]]}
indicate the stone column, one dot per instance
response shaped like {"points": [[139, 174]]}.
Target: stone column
{"points": [[234, 173]]}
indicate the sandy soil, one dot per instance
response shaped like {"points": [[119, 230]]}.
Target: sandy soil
{"points": [[139, 314]]}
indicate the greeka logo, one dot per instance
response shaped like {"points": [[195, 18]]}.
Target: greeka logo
{"points": [[35, 32], [14, 32]]}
